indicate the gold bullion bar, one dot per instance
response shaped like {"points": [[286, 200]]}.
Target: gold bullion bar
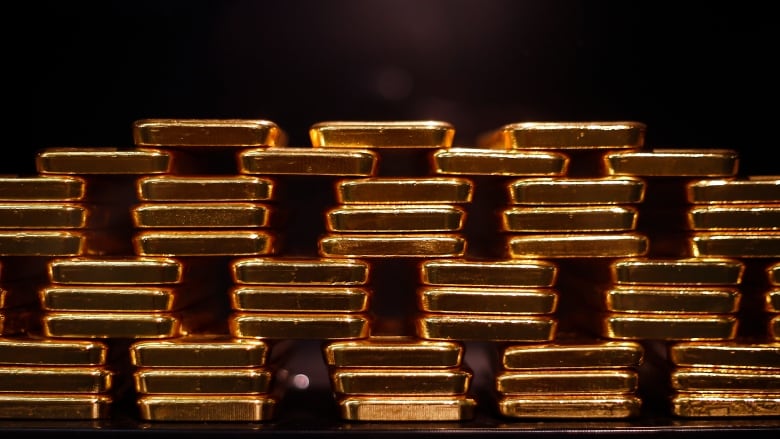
{"points": [[115, 271], [394, 351], [475, 161], [401, 190], [683, 271], [479, 300], [578, 245], [773, 300], [736, 244], [161, 380], [2, 322], [205, 188], [392, 245], [244, 133], [199, 351], [201, 215], [576, 191], [507, 273], [753, 217], [725, 404], [552, 406], [102, 161], [298, 325], [43, 216], [411, 382], [669, 327], [486, 328], [203, 243], [42, 188], [651, 299], [673, 163], [110, 325], [379, 134], [574, 355], [42, 243], [568, 381], [566, 135], [725, 354], [773, 273], [774, 328], [308, 161], [734, 191], [54, 406], [394, 218], [50, 379], [407, 408], [299, 298], [112, 298], [300, 271], [206, 408], [43, 351], [569, 219]]}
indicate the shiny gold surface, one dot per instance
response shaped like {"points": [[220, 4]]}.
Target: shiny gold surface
{"points": [[607, 406], [734, 191], [589, 245], [379, 134], [110, 325], [684, 271], [754, 217], [161, 380], [394, 351], [473, 161], [725, 354], [586, 381], [574, 355], [205, 188], [113, 298], [201, 215], [207, 132], [404, 190], [199, 352], [41, 243], [308, 161], [41, 188], [48, 379], [299, 299], [54, 406], [509, 301], [486, 328], [407, 408], [203, 243], [651, 299], [411, 382], [394, 218], [42, 351], [43, 216], [576, 191], [669, 327], [569, 219], [298, 326], [102, 161], [115, 271], [673, 163], [299, 271], [773, 300], [392, 245], [727, 404], [206, 408], [773, 273], [507, 273], [736, 244], [567, 135]]}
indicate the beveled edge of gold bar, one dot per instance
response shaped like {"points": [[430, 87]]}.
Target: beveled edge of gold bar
{"points": [[142, 325], [569, 219], [575, 245], [392, 245], [42, 406], [347, 325], [204, 243], [207, 132], [735, 244], [716, 326], [543, 273], [42, 243], [773, 273], [102, 161], [673, 163], [407, 408], [199, 351], [733, 191], [242, 271], [500, 163], [566, 135], [109, 270], [379, 134], [669, 298], [580, 191], [559, 406], [725, 404], [725, 354], [193, 188], [201, 215], [395, 352], [49, 352], [310, 161], [418, 190], [42, 188], [205, 408], [562, 355], [678, 271]]}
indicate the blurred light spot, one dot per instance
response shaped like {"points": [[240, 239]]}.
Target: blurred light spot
{"points": [[394, 84], [300, 381]]}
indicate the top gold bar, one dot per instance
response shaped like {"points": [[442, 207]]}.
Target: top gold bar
{"points": [[685, 271], [566, 135], [244, 133], [750, 190], [102, 161], [397, 134], [41, 188], [673, 163], [394, 351]]}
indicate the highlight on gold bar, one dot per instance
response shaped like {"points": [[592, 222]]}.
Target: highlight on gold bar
{"points": [[736, 244], [199, 351], [299, 299], [569, 219], [725, 404], [110, 325], [749, 190], [587, 381], [574, 355], [308, 161], [392, 245], [652, 299], [300, 271], [379, 134], [473, 161], [41, 188], [678, 271], [43, 216], [411, 382], [115, 271], [298, 325], [42, 243], [394, 218], [669, 327], [393, 352], [102, 161], [44, 351], [113, 298], [407, 408], [551, 406], [725, 354], [160, 380], [50, 379], [243, 133], [203, 243], [503, 273], [576, 191], [201, 215], [754, 217], [673, 163], [206, 408], [400, 190], [486, 328], [567, 135], [481, 300], [773, 300], [773, 273], [578, 245], [205, 188], [54, 406]]}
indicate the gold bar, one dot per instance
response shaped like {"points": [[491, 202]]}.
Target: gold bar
{"points": [[112, 298], [110, 325], [581, 245], [514, 273], [568, 381], [722, 191], [652, 299], [243, 133], [569, 219], [410, 190], [199, 351], [773, 273], [43, 216], [473, 161], [574, 355], [478, 300], [115, 271], [774, 328], [726, 404], [41, 188], [376, 134], [41, 243], [201, 215], [486, 328], [725, 354], [54, 406], [673, 163], [392, 245], [298, 325], [669, 327], [684, 271], [2, 300], [725, 380], [736, 244], [753, 217], [206, 408], [298, 271], [394, 218], [607, 406], [566, 135], [576, 191], [162, 380], [48, 379], [411, 382], [773, 300], [42, 351], [299, 299], [102, 161], [205, 188], [203, 243], [308, 161], [407, 408], [394, 351]]}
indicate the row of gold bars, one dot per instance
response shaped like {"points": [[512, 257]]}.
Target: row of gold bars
{"points": [[584, 252]]}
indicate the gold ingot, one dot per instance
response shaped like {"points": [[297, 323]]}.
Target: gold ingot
{"points": [[578, 245], [110, 325], [115, 271], [392, 245], [725, 354], [244, 133], [652, 299], [299, 299], [673, 272], [574, 355], [113, 298], [486, 328], [42, 351], [199, 352], [736, 244], [773, 300], [410, 382], [205, 188], [206, 408], [43, 216], [393, 218], [160, 380], [41, 188], [411, 190], [673, 163], [395, 352], [576, 191], [201, 215], [773, 273], [669, 327], [753, 217], [508, 273], [42, 243], [2, 299], [103, 161], [552, 406], [377, 134], [569, 219], [566, 135], [587, 381], [478, 300], [308, 161], [54, 406], [299, 271], [203, 243], [49, 379], [725, 404], [774, 328], [473, 161], [734, 191], [298, 325], [407, 408]]}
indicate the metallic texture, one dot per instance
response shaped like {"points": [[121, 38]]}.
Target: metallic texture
{"points": [[103, 161], [566, 135], [673, 163], [473, 161], [506, 273], [392, 245], [308, 161], [411, 190], [205, 188], [242, 133], [673, 272], [576, 191], [373, 134]]}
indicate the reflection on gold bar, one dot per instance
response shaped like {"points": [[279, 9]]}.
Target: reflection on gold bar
{"points": [[686, 271], [569, 219], [754, 217], [407, 408], [734, 191], [574, 355], [394, 351], [576, 191], [393, 218], [41, 351], [201, 215], [607, 406], [773, 273], [43, 216], [115, 271], [673, 299], [206, 408], [585, 245], [117, 299], [670, 327], [298, 326], [773, 300], [203, 243], [207, 132], [726, 354], [54, 406], [54, 379], [279, 271], [509, 273], [379, 245], [203, 188], [207, 380], [41, 188], [486, 328], [736, 244], [375, 134], [567, 135], [199, 351], [726, 404], [568, 381], [41, 243], [102, 161], [673, 163], [110, 325], [401, 381], [404, 191], [299, 299], [472, 161], [308, 161], [487, 300]]}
